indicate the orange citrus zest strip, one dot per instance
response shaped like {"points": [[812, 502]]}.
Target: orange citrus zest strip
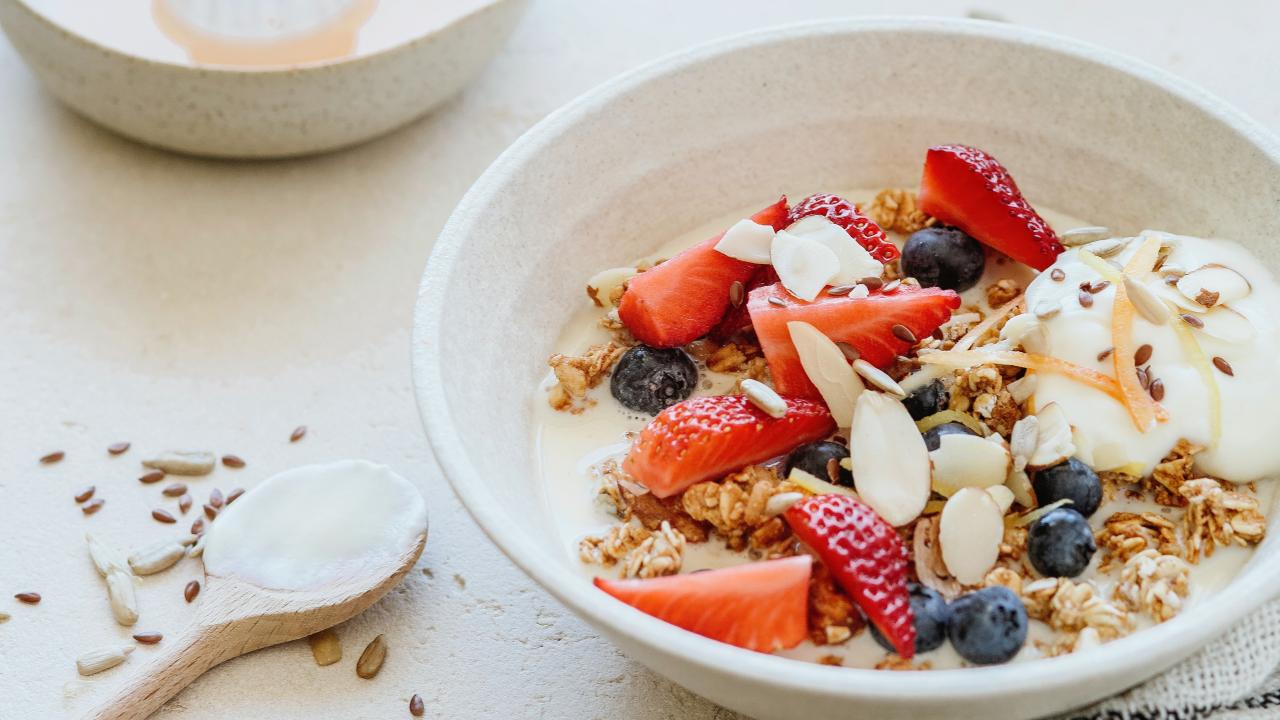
{"points": [[1030, 361]]}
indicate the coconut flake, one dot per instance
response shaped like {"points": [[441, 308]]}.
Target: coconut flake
{"points": [[748, 241], [855, 262], [804, 265], [889, 459], [970, 532], [1054, 442], [828, 370], [1213, 284], [967, 461]]}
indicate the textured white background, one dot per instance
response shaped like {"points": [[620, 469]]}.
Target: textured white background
{"points": [[178, 302]]}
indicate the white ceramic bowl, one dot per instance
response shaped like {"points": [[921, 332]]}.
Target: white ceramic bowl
{"points": [[833, 104], [229, 111]]}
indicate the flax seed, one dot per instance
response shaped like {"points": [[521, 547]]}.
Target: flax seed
{"points": [[736, 293], [1192, 320], [85, 494], [52, 457], [191, 590], [1086, 299], [1143, 378], [298, 433], [210, 511], [92, 506], [1057, 275], [850, 352], [1098, 287], [215, 498], [872, 282], [197, 527], [1142, 355], [234, 494], [235, 461], [903, 333], [1157, 390], [174, 490], [150, 638], [29, 598], [185, 502], [1223, 365], [154, 476], [118, 448], [163, 516], [1105, 354]]}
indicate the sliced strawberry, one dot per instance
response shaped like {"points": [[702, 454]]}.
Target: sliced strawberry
{"points": [[865, 323], [965, 187], [861, 228], [865, 556], [738, 319], [705, 438], [760, 606], [682, 299]]}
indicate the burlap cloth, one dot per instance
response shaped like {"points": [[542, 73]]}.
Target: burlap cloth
{"points": [[1235, 678]]}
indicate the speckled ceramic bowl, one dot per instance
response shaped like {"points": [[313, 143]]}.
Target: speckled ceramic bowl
{"points": [[228, 111], [834, 104]]}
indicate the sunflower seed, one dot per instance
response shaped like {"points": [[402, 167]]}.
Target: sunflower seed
{"points": [[878, 378], [174, 490], [29, 598], [156, 557], [1106, 248], [106, 559], [1150, 307], [52, 457], [325, 647], [118, 448], [104, 658], [182, 462], [4, 616], [778, 302], [191, 590], [1083, 235], [85, 494], [163, 516], [1142, 354], [891, 286], [92, 506], [371, 659], [122, 597], [154, 476], [764, 397], [1223, 365], [150, 638], [297, 433]]}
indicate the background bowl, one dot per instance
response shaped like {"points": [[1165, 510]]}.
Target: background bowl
{"points": [[230, 111], [837, 105]]}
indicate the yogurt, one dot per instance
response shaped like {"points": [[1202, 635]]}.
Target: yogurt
{"points": [[1107, 438], [316, 525]]}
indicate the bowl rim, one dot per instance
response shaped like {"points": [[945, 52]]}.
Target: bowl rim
{"points": [[234, 70], [1138, 656]]}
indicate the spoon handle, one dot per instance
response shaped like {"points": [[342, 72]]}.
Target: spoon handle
{"points": [[179, 663]]}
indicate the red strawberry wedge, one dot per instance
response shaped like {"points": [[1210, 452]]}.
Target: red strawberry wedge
{"points": [[861, 228], [682, 299], [705, 438], [965, 187], [865, 556], [738, 319], [760, 606], [865, 323]]}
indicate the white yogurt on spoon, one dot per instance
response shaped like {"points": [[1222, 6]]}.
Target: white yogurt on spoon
{"points": [[316, 525]]}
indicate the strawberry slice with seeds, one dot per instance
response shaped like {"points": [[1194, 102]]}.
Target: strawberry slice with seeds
{"points": [[705, 438], [761, 606], [682, 299], [966, 187], [866, 557], [865, 323], [861, 228]]}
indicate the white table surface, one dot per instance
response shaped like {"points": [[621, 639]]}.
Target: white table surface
{"points": [[182, 303]]}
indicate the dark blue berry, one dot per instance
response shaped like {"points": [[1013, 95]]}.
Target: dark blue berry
{"points": [[932, 615], [649, 379], [988, 626], [815, 458], [943, 257], [1060, 543], [933, 436], [926, 401], [1072, 480]]}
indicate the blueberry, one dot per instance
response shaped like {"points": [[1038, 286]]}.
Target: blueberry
{"points": [[943, 257], [1072, 480], [1060, 543], [814, 457], [933, 436], [988, 626], [649, 379], [932, 615], [926, 401]]}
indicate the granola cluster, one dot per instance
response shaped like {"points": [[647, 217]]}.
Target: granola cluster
{"points": [[1126, 534], [737, 508], [1218, 516], [896, 209], [576, 374], [981, 391], [739, 357], [1154, 583], [642, 553]]}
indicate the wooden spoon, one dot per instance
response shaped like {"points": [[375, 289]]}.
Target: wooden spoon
{"points": [[234, 617]]}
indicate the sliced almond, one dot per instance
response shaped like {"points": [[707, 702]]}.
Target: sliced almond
{"points": [[778, 504], [605, 283], [1054, 442], [748, 241], [1227, 325], [1002, 495], [817, 486], [878, 378], [1219, 283], [930, 569], [1023, 388], [1148, 305], [855, 262], [970, 532], [828, 370], [967, 461], [889, 459], [1020, 485], [804, 265], [1083, 235]]}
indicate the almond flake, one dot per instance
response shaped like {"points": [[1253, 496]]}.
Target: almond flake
{"points": [[970, 531], [1224, 324], [1054, 442], [967, 461], [1002, 495], [828, 370], [1083, 235], [889, 459], [804, 265], [1218, 283], [748, 241]]}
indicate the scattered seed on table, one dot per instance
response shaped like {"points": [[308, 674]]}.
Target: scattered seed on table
{"points": [[371, 659], [210, 511], [174, 490], [233, 461], [197, 527], [1142, 355], [154, 476], [1057, 275], [184, 503], [150, 638], [231, 496], [903, 333], [298, 433], [85, 494], [1223, 365], [416, 708], [191, 590], [215, 498], [52, 457], [29, 598], [326, 647], [118, 448], [163, 516], [92, 506], [1157, 389]]}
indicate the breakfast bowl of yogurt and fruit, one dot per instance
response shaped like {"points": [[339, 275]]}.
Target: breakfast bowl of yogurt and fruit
{"points": [[788, 386]]}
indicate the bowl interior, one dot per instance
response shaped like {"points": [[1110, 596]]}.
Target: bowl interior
{"points": [[736, 124]]}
